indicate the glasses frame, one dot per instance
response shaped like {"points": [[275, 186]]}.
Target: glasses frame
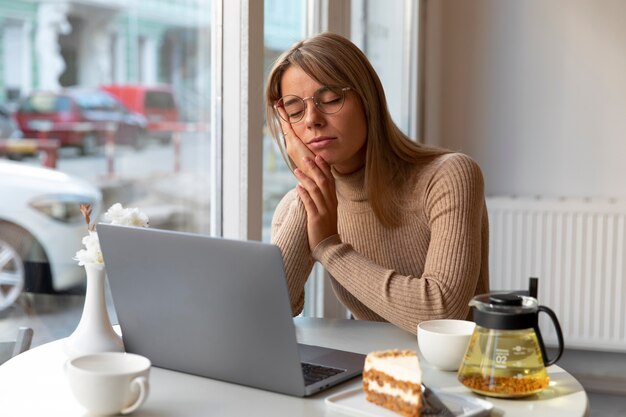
{"points": [[315, 102]]}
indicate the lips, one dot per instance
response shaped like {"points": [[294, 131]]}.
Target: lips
{"points": [[320, 142], [319, 139]]}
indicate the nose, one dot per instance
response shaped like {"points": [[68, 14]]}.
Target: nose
{"points": [[313, 117]]}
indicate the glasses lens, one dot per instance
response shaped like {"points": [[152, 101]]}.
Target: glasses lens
{"points": [[329, 99], [290, 108]]}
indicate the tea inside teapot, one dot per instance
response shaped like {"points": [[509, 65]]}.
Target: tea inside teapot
{"points": [[514, 362]]}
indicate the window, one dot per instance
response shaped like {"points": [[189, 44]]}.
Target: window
{"points": [[156, 157]]}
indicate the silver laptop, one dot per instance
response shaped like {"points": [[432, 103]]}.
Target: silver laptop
{"points": [[216, 308]]}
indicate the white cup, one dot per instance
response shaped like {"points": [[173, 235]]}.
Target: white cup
{"points": [[443, 342], [109, 383]]}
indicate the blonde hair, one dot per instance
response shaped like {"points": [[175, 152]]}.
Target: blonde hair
{"points": [[331, 59]]}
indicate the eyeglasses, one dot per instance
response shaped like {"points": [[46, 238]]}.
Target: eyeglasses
{"points": [[328, 100]]}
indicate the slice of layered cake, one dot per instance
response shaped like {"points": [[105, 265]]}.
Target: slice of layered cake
{"points": [[392, 379]]}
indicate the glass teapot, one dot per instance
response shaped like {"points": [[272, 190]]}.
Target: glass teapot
{"points": [[506, 356]]}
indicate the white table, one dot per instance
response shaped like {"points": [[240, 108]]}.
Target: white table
{"points": [[33, 383]]}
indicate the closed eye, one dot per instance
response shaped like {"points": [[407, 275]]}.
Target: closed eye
{"points": [[331, 100]]}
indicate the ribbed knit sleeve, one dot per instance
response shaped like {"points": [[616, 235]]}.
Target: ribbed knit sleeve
{"points": [[289, 233], [441, 251]]}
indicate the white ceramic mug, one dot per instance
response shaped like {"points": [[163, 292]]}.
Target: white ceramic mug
{"points": [[443, 342], [109, 383]]}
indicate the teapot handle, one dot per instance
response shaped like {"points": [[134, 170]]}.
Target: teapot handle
{"points": [[559, 336]]}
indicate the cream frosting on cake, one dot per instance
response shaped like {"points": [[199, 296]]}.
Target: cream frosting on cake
{"points": [[403, 365]]}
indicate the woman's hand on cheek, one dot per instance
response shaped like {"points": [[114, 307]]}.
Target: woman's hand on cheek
{"points": [[296, 149], [317, 192]]}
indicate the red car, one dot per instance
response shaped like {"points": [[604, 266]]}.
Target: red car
{"points": [[155, 103], [80, 117]]}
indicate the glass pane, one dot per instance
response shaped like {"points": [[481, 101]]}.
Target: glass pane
{"points": [[380, 28], [116, 96], [284, 25]]}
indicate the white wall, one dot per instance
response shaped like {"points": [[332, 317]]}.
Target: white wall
{"points": [[534, 90]]}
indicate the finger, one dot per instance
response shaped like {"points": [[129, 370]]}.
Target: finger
{"points": [[323, 165], [306, 199], [313, 191], [326, 170], [305, 181], [323, 178], [286, 128], [291, 146], [291, 139]]}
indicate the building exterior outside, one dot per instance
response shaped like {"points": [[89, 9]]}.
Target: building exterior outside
{"points": [[47, 45]]}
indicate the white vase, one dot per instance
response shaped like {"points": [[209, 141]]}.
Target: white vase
{"points": [[94, 332]]}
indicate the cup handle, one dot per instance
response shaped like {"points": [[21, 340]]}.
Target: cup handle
{"points": [[144, 389]]}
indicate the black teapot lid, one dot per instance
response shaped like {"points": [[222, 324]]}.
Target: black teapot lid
{"points": [[504, 311], [506, 299]]}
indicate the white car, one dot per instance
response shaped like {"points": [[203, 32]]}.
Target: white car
{"points": [[41, 228]]}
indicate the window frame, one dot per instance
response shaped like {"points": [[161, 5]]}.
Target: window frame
{"points": [[238, 164]]}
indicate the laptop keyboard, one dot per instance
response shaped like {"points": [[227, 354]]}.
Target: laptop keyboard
{"points": [[315, 373]]}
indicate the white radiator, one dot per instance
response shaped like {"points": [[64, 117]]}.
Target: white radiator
{"points": [[577, 250]]}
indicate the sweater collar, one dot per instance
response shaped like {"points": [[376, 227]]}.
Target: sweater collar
{"points": [[351, 187]]}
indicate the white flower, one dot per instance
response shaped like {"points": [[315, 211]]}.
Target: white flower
{"points": [[92, 253], [126, 216], [116, 215]]}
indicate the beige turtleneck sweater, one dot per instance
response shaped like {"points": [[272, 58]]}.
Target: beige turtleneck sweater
{"points": [[427, 268]]}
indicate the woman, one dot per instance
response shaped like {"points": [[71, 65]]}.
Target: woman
{"points": [[401, 228]]}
